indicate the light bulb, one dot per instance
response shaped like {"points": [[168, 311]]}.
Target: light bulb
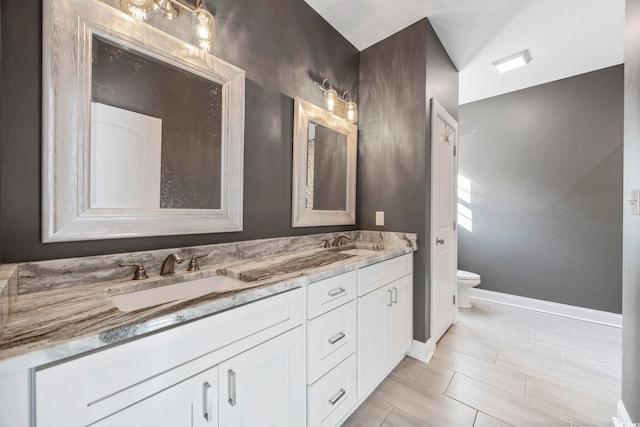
{"points": [[352, 112], [330, 99], [204, 28], [142, 10]]}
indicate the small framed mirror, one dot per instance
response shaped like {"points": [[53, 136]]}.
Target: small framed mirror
{"points": [[324, 167], [143, 133]]}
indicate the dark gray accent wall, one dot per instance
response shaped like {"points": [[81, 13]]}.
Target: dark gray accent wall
{"points": [[398, 76], [284, 46], [546, 171], [631, 244]]}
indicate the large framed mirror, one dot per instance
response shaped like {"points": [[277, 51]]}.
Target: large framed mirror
{"points": [[143, 133], [324, 167]]}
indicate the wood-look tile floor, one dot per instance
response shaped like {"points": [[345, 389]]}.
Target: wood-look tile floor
{"points": [[501, 366]]}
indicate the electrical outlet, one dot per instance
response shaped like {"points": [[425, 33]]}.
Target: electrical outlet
{"points": [[379, 217]]}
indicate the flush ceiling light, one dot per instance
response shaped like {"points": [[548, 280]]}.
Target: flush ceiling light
{"points": [[511, 62]]}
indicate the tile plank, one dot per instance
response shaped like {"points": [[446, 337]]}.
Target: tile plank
{"points": [[497, 376], [399, 418], [484, 420], [499, 404], [427, 406]]}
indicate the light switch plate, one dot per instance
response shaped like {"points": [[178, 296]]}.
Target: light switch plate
{"points": [[379, 217], [634, 202]]}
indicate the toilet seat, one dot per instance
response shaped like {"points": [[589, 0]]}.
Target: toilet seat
{"points": [[467, 275]]}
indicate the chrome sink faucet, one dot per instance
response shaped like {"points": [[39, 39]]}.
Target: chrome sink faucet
{"points": [[339, 241], [168, 265]]}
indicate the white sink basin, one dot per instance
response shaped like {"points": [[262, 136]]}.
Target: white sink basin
{"points": [[360, 251], [137, 300]]}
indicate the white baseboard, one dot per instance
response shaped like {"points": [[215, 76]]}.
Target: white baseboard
{"points": [[580, 313], [422, 351], [622, 418]]}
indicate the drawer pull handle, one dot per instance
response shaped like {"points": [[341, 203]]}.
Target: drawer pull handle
{"points": [[207, 402], [337, 338], [389, 298], [231, 387], [335, 399], [394, 295], [336, 292]]}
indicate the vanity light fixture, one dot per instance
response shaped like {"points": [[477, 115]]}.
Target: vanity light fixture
{"points": [[203, 21], [352, 108], [330, 96], [166, 9], [508, 63], [142, 10], [204, 27], [332, 100]]}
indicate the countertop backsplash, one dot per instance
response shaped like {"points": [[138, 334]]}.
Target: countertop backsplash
{"points": [[63, 273]]}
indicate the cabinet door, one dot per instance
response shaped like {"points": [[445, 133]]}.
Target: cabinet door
{"points": [[265, 386], [400, 322], [373, 310], [190, 403]]}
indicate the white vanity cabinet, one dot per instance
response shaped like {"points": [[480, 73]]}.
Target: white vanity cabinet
{"points": [[331, 346], [242, 367], [385, 328], [265, 386], [190, 403]]}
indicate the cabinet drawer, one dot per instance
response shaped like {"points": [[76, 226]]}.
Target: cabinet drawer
{"points": [[107, 381], [334, 395], [372, 277], [330, 293], [331, 338]]}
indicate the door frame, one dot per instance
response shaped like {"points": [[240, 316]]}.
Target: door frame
{"points": [[438, 111]]}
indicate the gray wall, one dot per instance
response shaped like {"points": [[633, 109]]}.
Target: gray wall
{"points": [[284, 46], [631, 251], [546, 170], [398, 76]]}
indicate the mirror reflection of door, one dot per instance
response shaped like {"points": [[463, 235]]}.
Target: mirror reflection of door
{"points": [[125, 158], [327, 169]]}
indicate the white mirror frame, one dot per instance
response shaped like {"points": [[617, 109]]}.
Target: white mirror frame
{"points": [[68, 28], [301, 215]]}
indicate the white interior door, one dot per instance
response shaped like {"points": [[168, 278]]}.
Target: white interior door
{"points": [[444, 140]]}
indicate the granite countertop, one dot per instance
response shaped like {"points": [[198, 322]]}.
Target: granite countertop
{"points": [[44, 327]]}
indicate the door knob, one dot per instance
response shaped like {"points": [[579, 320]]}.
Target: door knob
{"points": [[439, 241]]}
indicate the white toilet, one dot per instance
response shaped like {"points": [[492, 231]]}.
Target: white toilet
{"points": [[466, 280]]}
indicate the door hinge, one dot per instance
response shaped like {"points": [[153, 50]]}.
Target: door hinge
{"points": [[455, 224], [455, 150], [454, 300]]}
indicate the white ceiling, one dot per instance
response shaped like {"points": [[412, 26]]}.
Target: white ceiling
{"points": [[565, 37]]}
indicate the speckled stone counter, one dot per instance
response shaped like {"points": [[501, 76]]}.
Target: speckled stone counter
{"points": [[50, 318], [8, 289]]}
